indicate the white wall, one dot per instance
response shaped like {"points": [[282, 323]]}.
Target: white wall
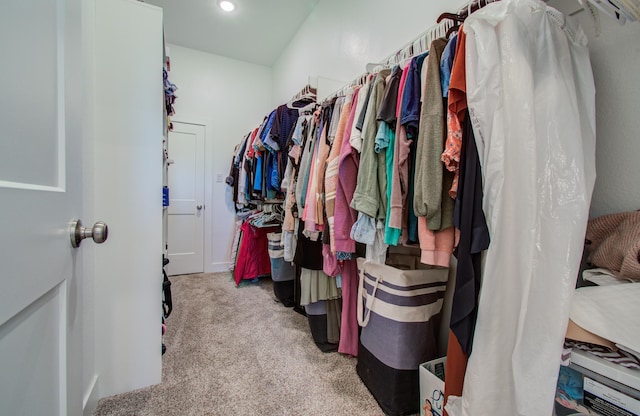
{"points": [[340, 37], [615, 56], [127, 164], [230, 98]]}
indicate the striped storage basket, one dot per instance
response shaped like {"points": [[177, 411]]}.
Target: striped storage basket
{"points": [[283, 272], [399, 312]]}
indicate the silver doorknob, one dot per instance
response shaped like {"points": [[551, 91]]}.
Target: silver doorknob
{"points": [[198, 207], [99, 232]]}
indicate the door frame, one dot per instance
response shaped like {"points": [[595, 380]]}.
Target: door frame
{"points": [[205, 198], [209, 183], [90, 375]]}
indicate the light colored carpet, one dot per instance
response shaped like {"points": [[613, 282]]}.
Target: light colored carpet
{"points": [[236, 351]]}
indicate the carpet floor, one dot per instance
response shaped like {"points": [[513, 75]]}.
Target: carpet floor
{"points": [[237, 351]]}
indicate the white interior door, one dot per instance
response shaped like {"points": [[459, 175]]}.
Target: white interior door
{"points": [[40, 190], [186, 199]]}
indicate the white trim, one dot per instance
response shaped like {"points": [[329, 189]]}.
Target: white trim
{"points": [[208, 183], [30, 186], [190, 120], [90, 399], [217, 267], [62, 97], [63, 310]]}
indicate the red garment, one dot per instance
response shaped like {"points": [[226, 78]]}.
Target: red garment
{"points": [[253, 256], [455, 368], [251, 151], [457, 84], [456, 359], [457, 105]]}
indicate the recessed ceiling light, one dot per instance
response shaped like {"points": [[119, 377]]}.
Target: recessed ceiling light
{"points": [[227, 6]]}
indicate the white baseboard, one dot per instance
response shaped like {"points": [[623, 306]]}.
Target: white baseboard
{"points": [[218, 267], [90, 399]]}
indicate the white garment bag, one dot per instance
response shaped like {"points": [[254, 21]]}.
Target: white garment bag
{"points": [[531, 99]]}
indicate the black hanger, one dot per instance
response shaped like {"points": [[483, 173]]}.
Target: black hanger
{"points": [[464, 13], [451, 30], [451, 16]]}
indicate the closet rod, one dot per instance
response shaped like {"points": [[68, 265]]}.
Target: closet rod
{"points": [[428, 36], [306, 92], [435, 31]]}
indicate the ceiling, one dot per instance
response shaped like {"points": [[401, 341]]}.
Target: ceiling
{"points": [[256, 31]]}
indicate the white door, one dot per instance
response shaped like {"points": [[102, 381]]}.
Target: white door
{"points": [[40, 191], [186, 199]]}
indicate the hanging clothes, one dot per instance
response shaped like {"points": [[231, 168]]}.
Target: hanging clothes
{"points": [[333, 163], [305, 166], [309, 213], [298, 141], [474, 239], [385, 140], [349, 331], [453, 145], [411, 115], [367, 198], [535, 135], [348, 165], [468, 272], [323, 157], [400, 174], [371, 186], [253, 255], [430, 176]]}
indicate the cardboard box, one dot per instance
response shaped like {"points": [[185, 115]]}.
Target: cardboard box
{"points": [[582, 392], [607, 401], [432, 387]]}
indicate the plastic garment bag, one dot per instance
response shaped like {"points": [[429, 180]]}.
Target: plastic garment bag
{"points": [[531, 100]]}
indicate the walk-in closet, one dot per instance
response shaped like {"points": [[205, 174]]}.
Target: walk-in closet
{"points": [[320, 207]]}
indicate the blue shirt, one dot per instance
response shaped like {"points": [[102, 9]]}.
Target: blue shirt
{"points": [[411, 97], [265, 134], [257, 183], [446, 63]]}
